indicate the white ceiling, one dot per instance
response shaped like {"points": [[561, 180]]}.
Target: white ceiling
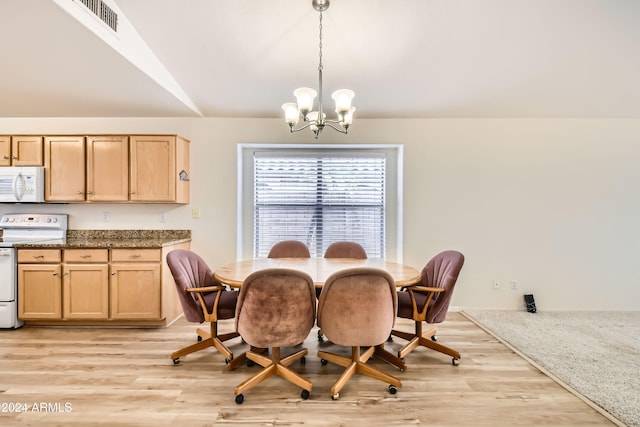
{"points": [[243, 58]]}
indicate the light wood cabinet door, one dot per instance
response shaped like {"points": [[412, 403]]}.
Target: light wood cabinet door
{"points": [[85, 291], [159, 168], [27, 150], [153, 164], [5, 150], [134, 290], [108, 168], [64, 162], [39, 291]]}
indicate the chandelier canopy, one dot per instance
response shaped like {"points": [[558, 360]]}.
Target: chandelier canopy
{"points": [[316, 120]]}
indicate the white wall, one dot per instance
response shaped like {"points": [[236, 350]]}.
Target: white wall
{"points": [[552, 204]]}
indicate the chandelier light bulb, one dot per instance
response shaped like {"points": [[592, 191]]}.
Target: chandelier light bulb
{"points": [[291, 113], [342, 98], [305, 97]]}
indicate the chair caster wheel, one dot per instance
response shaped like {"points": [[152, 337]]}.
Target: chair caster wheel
{"points": [[304, 394], [199, 338], [239, 399], [176, 361], [324, 362], [434, 338], [455, 362], [303, 360], [227, 361], [393, 389], [335, 396]]}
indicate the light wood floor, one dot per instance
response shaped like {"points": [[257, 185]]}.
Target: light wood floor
{"points": [[124, 377]]}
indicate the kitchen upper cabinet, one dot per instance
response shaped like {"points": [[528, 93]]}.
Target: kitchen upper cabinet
{"points": [[116, 168], [107, 168], [159, 168], [21, 150], [64, 174]]}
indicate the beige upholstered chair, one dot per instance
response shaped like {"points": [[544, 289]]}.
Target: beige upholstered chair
{"points": [[203, 300], [345, 250], [276, 308], [289, 249], [428, 301], [357, 308], [341, 250]]}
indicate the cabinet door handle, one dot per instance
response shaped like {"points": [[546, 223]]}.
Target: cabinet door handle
{"points": [[14, 157], [113, 274], [135, 256], [85, 256], [5, 157], [38, 256], [89, 192], [66, 273], [55, 274], [80, 192]]}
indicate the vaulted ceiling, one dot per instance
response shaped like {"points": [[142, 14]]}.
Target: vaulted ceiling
{"points": [[244, 58]]}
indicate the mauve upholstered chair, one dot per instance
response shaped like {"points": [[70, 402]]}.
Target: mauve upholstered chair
{"points": [[357, 308], [276, 308], [289, 249], [203, 300], [345, 250], [428, 301]]}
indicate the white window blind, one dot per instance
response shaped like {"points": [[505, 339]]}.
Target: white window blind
{"points": [[319, 198]]}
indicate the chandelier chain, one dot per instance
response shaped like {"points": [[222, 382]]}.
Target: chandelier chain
{"points": [[320, 44]]}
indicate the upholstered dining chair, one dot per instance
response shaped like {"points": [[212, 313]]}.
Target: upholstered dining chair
{"points": [[341, 250], [289, 249], [276, 308], [357, 308], [428, 301], [345, 250], [203, 300]]}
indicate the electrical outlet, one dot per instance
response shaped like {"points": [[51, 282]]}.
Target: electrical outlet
{"points": [[163, 217], [514, 285], [106, 216], [195, 213], [496, 284]]}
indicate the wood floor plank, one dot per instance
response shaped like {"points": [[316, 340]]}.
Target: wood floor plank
{"points": [[124, 377]]}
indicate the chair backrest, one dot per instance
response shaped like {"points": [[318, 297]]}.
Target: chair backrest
{"points": [[189, 271], [345, 250], [289, 249], [442, 272], [276, 308], [357, 307]]}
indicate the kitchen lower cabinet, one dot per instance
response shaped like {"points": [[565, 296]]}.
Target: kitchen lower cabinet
{"points": [[97, 286], [85, 284], [39, 284]]}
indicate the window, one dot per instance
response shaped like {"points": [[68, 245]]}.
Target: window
{"points": [[318, 194]]}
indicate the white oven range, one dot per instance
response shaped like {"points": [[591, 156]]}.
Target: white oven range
{"points": [[17, 229]]}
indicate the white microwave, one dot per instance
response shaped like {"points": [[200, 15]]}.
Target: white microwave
{"points": [[22, 184]]}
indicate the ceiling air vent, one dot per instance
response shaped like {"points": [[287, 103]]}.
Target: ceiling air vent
{"points": [[103, 12]]}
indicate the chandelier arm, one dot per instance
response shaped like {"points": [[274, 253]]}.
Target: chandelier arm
{"points": [[303, 127], [341, 130]]}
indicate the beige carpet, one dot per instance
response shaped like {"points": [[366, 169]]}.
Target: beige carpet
{"points": [[595, 353]]}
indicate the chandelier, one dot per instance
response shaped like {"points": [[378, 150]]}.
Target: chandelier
{"points": [[316, 120]]}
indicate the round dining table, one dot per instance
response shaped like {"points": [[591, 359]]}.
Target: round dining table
{"points": [[319, 269]]}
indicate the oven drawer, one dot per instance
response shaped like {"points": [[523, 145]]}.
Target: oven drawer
{"points": [[37, 256]]}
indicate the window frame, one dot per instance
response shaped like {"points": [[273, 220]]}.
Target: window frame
{"points": [[393, 184]]}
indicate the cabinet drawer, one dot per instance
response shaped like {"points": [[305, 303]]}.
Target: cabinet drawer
{"points": [[86, 255], [30, 256], [135, 255]]}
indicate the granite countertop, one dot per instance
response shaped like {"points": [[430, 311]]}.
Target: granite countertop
{"points": [[114, 239]]}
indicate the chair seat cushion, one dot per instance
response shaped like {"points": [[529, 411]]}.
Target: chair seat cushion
{"points": [[226, 305], [405, 308]]}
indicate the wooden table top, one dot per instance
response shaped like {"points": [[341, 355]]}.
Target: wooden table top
{"points": [[318, 268]]}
